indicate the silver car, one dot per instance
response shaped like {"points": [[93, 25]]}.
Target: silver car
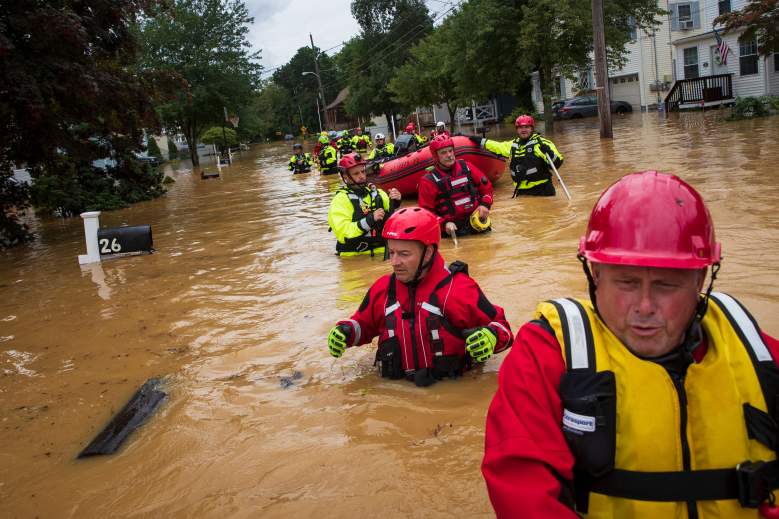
{"points": [[585, 106]]}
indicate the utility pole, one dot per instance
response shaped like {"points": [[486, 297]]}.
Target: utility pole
{"points": [[319, 80], [601, 71]]}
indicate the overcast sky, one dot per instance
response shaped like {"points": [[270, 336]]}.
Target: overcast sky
{"points": [[281, 27]]}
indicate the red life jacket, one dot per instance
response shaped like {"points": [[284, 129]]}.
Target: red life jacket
{"points": [[421, 343], [457, 192]]}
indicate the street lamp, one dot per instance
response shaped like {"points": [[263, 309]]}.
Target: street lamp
{"points": [[321, 94]]}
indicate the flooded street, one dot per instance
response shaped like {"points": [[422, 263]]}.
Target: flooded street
{"points": [[233, 311]]}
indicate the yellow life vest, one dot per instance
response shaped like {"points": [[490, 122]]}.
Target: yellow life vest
{"points": [[623, 417]]}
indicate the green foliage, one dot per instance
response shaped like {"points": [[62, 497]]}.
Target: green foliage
{"points": [[220, 136], [771, 102], [205, 43], [556, 37], [370, 61], [760, 19], [173, 151], [79, 187], [748, 107], [520, 110], [14, 199], [69, 87], [299, 105], [152, 148]]}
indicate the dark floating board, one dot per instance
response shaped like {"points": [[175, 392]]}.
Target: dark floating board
{"points": [[135, 412]]}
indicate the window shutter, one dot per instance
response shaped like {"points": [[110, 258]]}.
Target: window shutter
{"points": [[674, 17], [695, 11]]}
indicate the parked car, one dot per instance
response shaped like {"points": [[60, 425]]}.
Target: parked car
{"points": [[145, 158], [585, 106]]}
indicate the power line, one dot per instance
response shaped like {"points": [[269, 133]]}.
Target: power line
{"points": [[439, 15], [397, 44]]}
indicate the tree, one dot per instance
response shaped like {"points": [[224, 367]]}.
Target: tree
{"points": [[220, 136], [204, 42], [153, 149], [427, 77], [389, 29], [556, 37], [173, 151], [70, 94], [760, 18], [300, 105]]}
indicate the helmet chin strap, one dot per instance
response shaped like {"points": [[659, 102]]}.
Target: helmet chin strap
{"points": [[423, 265]]}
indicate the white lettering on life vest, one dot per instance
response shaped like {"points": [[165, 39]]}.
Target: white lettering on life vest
{"points": [[578, 422]]}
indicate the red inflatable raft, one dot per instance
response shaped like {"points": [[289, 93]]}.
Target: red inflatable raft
{"points": [[405, 172]]}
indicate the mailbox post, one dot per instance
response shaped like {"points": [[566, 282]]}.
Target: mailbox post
{"points": [[113, 241], [91, 224]]}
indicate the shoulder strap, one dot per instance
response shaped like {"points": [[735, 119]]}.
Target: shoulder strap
{"points": [[748, 331], [577, 334]]}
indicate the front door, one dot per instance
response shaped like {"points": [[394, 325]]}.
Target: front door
{"points": [[716, 65]]}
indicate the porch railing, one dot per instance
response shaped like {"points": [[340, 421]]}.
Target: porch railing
{"points": [[700, 90]]}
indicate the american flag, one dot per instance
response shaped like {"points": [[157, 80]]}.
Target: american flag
{"points": [[722, 47]]}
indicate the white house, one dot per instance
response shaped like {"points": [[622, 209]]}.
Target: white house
{"points": [[697, 55], [682, 47]]}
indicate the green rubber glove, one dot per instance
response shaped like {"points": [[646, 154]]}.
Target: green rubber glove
{"points": [[481, 343], [336, 340]]}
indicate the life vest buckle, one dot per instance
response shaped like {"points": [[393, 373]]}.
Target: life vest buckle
{"points": [[755, 481]]}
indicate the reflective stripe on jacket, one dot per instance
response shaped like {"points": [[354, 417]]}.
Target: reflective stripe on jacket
{"points": [[418, 325], [697, 421], [528, 164], [348, 219]]}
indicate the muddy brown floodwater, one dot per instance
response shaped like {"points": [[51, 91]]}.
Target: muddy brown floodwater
{"points": [[233, 311]]}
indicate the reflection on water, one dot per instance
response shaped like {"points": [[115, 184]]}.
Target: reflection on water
{"points": [[234, 309]]}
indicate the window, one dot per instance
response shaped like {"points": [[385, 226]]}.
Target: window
{"points": [[724, 6], [690, 62], [685, 12], [776, 62], [632, 28], [747, 57]]}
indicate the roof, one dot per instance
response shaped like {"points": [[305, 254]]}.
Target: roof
{"points": [[340, 98], [701, 36]]}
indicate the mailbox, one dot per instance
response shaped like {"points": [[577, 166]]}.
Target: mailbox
{"points": [[125, 241]]}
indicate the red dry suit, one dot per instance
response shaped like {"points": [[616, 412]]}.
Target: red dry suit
{"points": [[428, 340], [455, 194]]}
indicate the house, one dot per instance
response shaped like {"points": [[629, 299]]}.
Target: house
{"points": [[336, 114], [705, 75], [676, 64]]}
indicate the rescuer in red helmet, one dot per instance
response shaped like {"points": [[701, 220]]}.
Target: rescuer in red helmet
{"points": [[454, 189], [530, 154], [411, 129], [432, 321], [655, 398]]}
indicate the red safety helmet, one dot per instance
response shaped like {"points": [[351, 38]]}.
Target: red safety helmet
{"points": [[651, 219], [440, 142], [525, 120], [411, 128], [349, 161], [413, 223]]}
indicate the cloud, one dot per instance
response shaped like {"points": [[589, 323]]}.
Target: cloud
{"points": [[281, 27]]}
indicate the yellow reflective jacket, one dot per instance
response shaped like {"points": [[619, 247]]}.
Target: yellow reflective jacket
{"points": [[299, 163], [707, 405], [349, 221], [529, 166], [388, 150], [361, 143], [327, 159]]}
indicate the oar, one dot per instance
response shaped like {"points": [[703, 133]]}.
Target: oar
{"points": [[453, 236], [559, 178]]}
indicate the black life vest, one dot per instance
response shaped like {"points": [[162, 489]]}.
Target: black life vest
{"points": [[525, 164], [371, 239]]}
